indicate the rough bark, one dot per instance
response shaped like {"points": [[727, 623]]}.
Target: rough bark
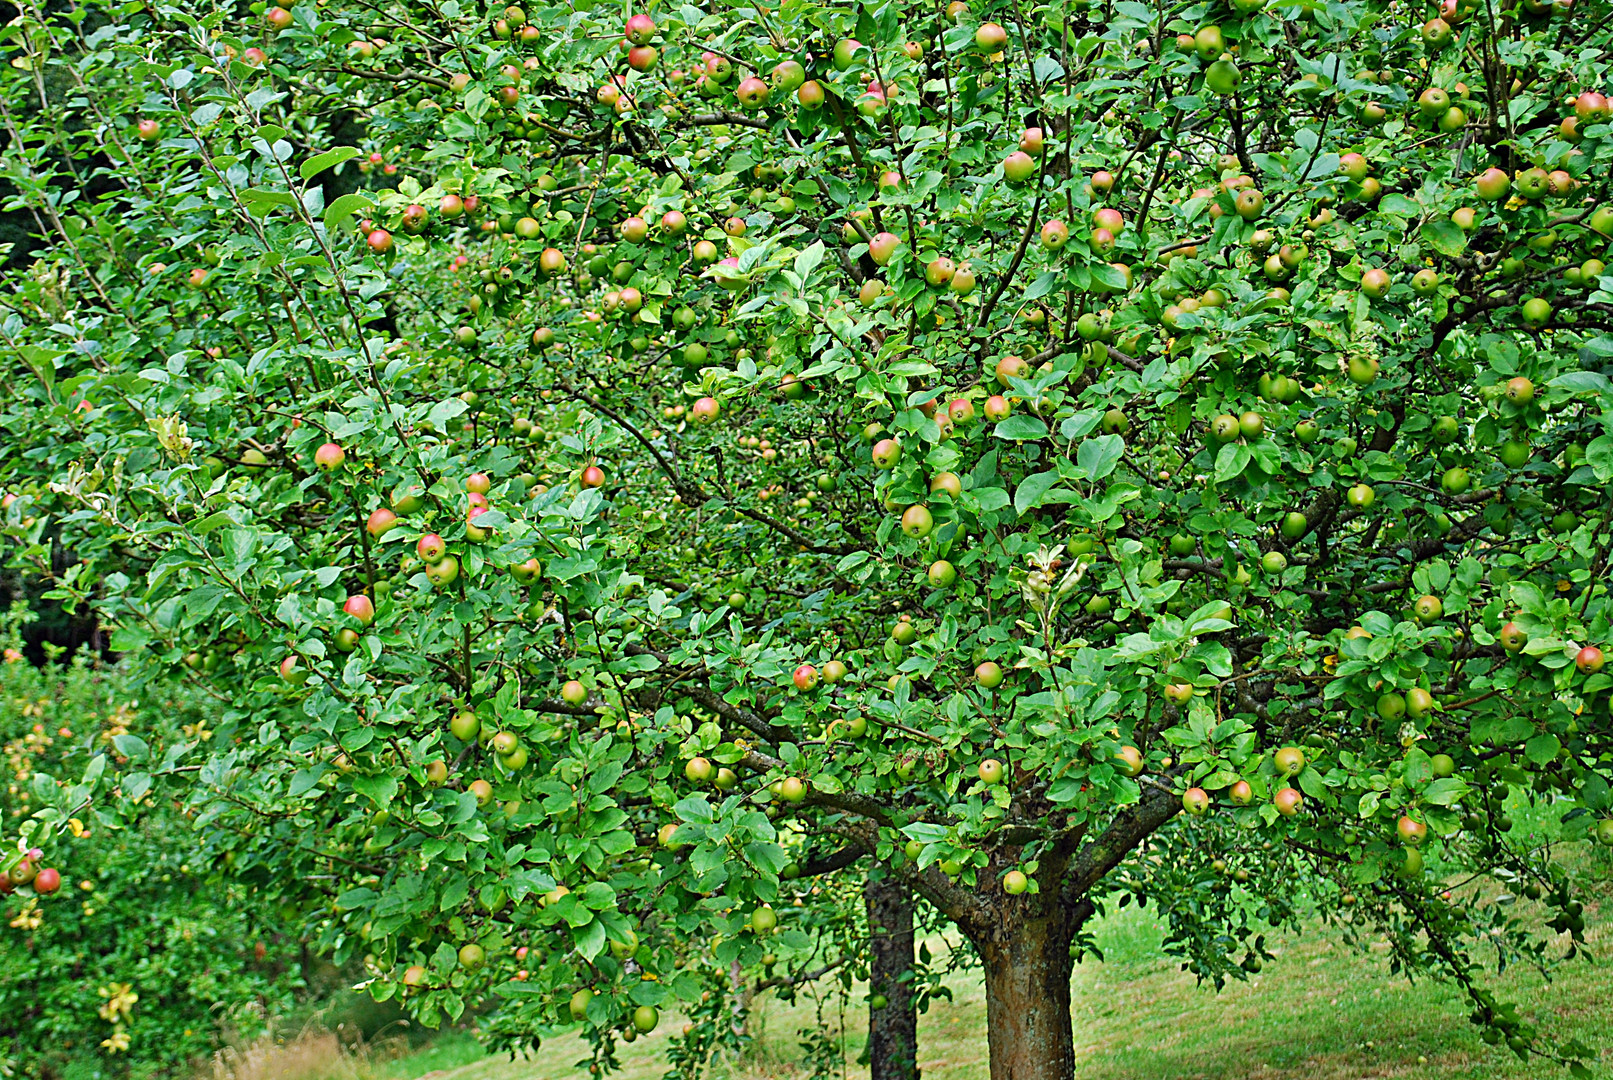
{"points": [[892, 1030], [1027, 966]]}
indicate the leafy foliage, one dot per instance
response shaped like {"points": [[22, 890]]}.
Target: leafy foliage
{"points": [[964, 443], [145, 959]]}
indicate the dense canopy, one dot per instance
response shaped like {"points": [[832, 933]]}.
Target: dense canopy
{"points": [[634, 476]]}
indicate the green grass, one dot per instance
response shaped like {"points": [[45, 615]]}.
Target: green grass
{"points": [[1320, 1011]]}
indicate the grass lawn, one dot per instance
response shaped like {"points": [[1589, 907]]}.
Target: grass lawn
{"points": [[1320, 1011]]}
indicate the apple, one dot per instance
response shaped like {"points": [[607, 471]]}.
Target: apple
{"points": [[645, 1018], [1129, 760], [1019, 167], [991, 771], [1520, 391], [882, 247], [698, 770], [414, 975], [148, 130], [579, 1004], [47, 881], [1429, 608], [380, 521], [1512, 637], [1196, 801], [990, 38], [329, 457], [573, 693], [1412, 833], [1288, 802], [361, 608], [278, 18], [764, 920], [805, 678], [1589, 660], [293, 672], [1015, 883], [885, 453], [917, 522], [1223, 78], [845, 51], [1360, 496], [1055, 234], [810, 95], [1442, 766], [431, 547], [1179, 693], [1375, 283], [941, 574], [640, 29], [1289, 760], [989, 674], [1419, 703], [593, 477], [1493, 184], [1241, 793], [751, 93], [792, 789], [443, 572], [997, 408]]}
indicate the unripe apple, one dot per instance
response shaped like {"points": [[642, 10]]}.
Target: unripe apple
{"points": [[292, 671], [1429, 608], [1011, 367], [882, 247], [1240, 793], [1493, 184], [886, 452], [1289, 760], [1412, 833], [329, 457], [1019, 167], [573, 693], [941, 574], [1196, 801], [698, 770], [1512, 637], [640, 29], [380, 520], [1129, 760], [1288, 802], [1015, 883], [939, 270], [991, 771], [990, 38], [361, 608], [751, 93], [443, 572], [989, 675], [917, 522]]}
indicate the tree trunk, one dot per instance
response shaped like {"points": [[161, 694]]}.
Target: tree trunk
{"points": [[1028, 971], [892, 1030]]}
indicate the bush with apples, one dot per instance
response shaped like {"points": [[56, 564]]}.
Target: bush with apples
{"points": [[123, 953], [634, 481]]}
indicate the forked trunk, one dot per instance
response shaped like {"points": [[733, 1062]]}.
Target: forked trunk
{"points": [[892, 1030], [1028, 970]]}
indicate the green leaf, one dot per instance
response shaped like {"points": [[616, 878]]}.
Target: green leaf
{"points": [[1444, 237], [1099, 456], [1542, 748], [328, 160], [1230, 462], [1021, 428], [1032, 488], [379, 789], [345, 207]]}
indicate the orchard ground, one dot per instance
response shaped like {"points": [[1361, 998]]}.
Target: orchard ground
{"points": [[1322, 1010]]}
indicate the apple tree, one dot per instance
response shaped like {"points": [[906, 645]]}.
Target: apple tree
{"points": [[633, 475]]}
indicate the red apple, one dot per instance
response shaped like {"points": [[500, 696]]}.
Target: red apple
{"points": [[806, 677]]}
